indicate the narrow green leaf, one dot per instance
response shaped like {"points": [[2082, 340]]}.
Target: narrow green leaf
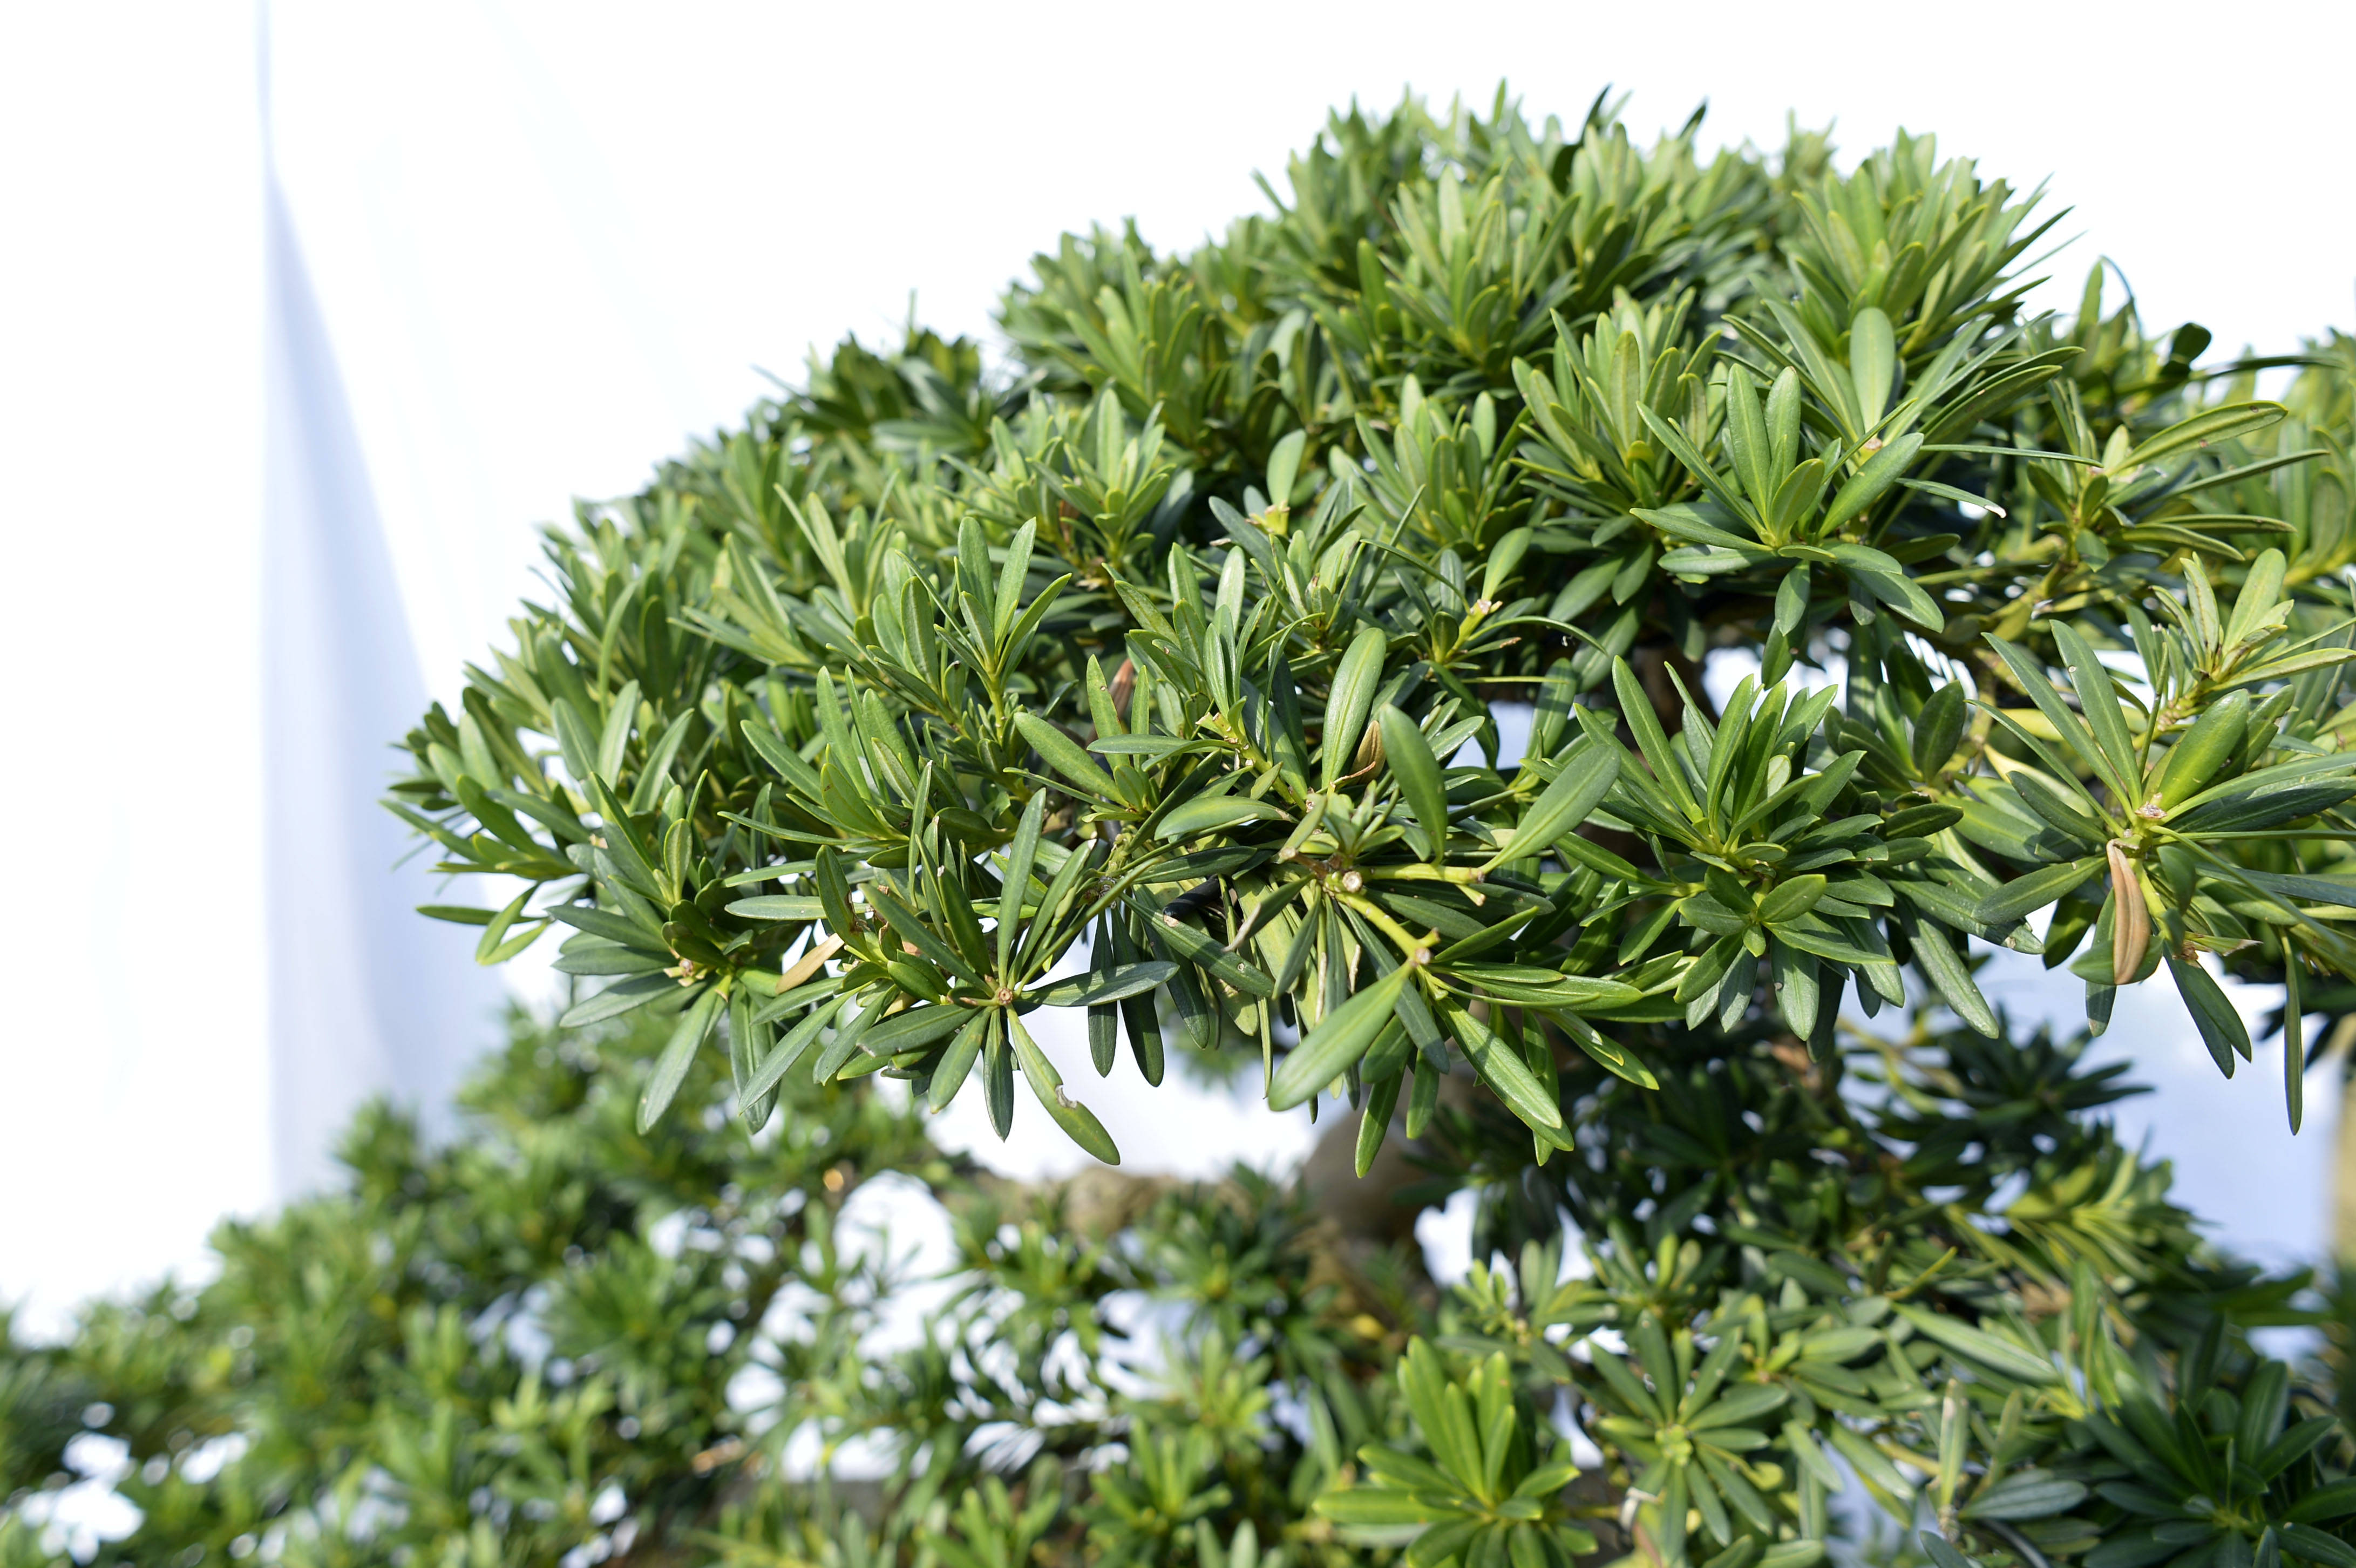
{"points": [[773, 1067], [1066, 756], [2213, 740], [1006, 601], [1889, 583], [1938, 959], [2100, 704], [1870, 1462], [1869, 483], [2222, 1029], [488, 951], [574, 741], [2071, 729], [2294, 1040], [1374, 1122], [655, 777], [1408, 757], [1873, 364], [1079, 1123], [1502, 1069], [1607, 1053], [2026, 1494], [777, 907], [678, 1054], [1092, 990], [1047, 924], [1801, 1446], [632, 855], [1202, 951], [956, 1063], [1979, 1345], [914, 1028], [2205, 428], [1338, 1040], [1209, 816], [1019, 857], [1792, 897], [1586, 777], [1381, 1506], [1350, 701], [2025, 895], [1798, 992], [799, 775], [621, 997], [1746, 438], [613, 743], [1540, 987], [1636, 708]]}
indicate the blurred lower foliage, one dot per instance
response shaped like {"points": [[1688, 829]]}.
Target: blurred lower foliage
{"points": [[1921, 1274]]}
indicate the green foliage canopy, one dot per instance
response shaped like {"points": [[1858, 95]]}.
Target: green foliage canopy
{"points": [[557, 1340], [1186, 643], [1190, 639]]}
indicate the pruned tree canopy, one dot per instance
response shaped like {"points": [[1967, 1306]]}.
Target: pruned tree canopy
{"points": [[1191, 641], [1540, 641]]}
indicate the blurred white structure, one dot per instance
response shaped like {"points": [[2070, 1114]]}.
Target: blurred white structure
{"points": [[365, 996], [544, 244]]}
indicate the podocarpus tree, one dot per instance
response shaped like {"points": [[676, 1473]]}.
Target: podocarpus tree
{"points": [[1191, 642]]}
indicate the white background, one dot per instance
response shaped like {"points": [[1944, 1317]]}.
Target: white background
{"points": [[548, 242]]}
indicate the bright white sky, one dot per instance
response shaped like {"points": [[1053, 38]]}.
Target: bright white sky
{"points": [[552, 240]]}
